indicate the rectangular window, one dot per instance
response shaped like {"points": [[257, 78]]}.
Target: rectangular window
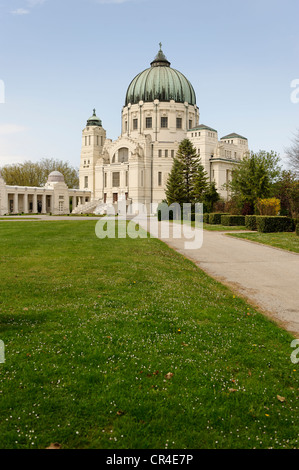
{"points": [[166, 153], [85, 141], [148, 123], [160, 153], [60, 206], [97, 140], [135, 124], [126, 126], [105, 180], [179, 123], [127, 178], [105, 198], [160, 178], [172, 154], [115, 179], [115, 197], [164, 122], [89, 141], [85, 181], [190, 124]]}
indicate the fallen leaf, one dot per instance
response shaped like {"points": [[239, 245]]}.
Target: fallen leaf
{"points": [[54, 446], [282, 399], [169, 375], [232, 390], [120, 413]]}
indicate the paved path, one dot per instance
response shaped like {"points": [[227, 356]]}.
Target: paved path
{"points": [[266, 276]]}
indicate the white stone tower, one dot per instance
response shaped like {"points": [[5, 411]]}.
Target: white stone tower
{"points": [[93, 139]]}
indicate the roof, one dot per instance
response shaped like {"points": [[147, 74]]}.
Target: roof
{"points": [[202, 127], [94, 120], [160, 82], [233, 136]]}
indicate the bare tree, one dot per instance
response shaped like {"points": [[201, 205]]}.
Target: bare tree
{"points": [[292, 154]]}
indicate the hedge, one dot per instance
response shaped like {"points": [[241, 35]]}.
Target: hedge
{"points": [[231, 220], [297, 230], [206, 218], [250, 222], [268, 224], [215, 218]]}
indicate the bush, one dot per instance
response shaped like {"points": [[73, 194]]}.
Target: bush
{"points": [[232, 220], [250, 222], [215, 218], [268, 224], [270, 206], [297, 230], [206, 218]]}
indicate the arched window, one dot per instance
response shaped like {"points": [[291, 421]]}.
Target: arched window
{"points": [[123, 155]]}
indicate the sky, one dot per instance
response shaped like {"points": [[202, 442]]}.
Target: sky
{"points": [[61, 58]]}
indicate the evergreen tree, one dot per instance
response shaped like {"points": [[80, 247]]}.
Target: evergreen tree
{"points": [[186, 180], [175, 187], [210, 196], [200, 183], [189, 160]]}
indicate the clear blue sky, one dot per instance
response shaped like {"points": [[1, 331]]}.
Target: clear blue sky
{"points": [[61, 58]]}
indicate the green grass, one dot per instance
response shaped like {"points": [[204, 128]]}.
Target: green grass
{"points": [[91, 329], [215, 228], [223, 228], [284, 240]]}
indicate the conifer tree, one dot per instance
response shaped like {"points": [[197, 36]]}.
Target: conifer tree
{"points": [[189, 160], [175, 187], [200, 183], [187, 180]]}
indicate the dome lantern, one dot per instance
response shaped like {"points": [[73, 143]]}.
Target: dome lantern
{"points": [[160, 59]]}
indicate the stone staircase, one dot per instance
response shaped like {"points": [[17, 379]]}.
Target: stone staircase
{"points": [[87, 208]]}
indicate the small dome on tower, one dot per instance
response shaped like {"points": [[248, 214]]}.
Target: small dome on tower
{"points": [[94, 120]]}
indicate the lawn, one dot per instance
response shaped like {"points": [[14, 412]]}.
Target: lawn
{"points": [[223, 228], [125, 344], [284, 240]]}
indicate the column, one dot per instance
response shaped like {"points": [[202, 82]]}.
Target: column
{"points": [[34, 207], [16, 203], [25, 203], [44, 201]]}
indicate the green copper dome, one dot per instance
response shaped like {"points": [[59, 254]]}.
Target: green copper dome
{"points": [[94, 120], [160, 82]]}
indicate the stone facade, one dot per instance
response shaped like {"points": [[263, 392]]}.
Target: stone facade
{"points": [[53, 198], [136, 166]]}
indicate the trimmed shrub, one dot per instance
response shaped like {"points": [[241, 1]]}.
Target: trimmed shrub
{"points": [[215, 218], [268, 224], [297, 230], [231, 220], [250, 222], [206, 218]]}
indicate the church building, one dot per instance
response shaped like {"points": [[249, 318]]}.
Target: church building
{"points": [[159, 111]]}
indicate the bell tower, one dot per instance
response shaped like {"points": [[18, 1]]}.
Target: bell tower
{"points": [[93, 140]]}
